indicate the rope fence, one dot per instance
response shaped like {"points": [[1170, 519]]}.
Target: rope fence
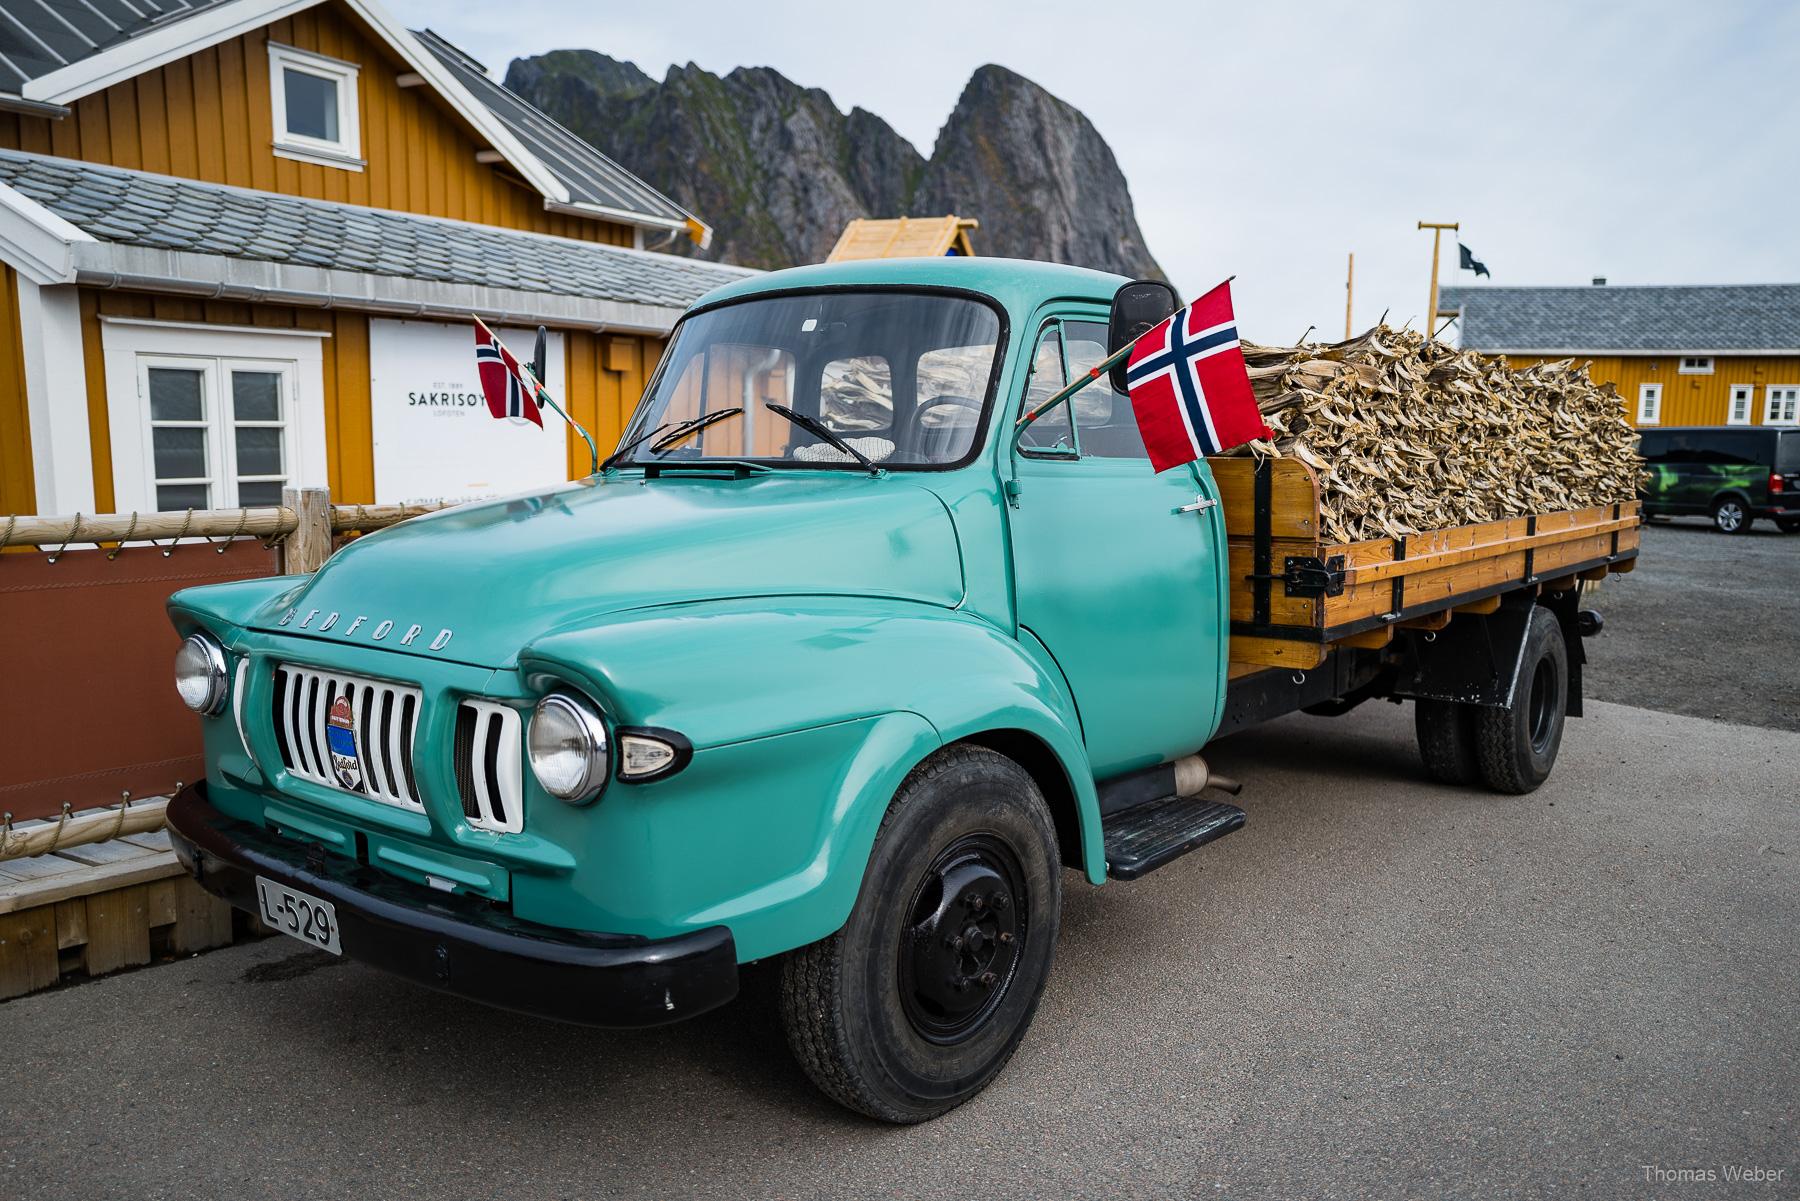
{"points": [[308, 512]]}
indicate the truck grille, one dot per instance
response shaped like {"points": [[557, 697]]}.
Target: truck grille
{"points": [[488, 765], [348, 732]]}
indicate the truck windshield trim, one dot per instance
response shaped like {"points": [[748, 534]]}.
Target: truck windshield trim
{"points": [[906, 373]]}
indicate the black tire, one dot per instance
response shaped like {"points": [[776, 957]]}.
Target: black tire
{"points": [[1788, 525], [1730, 515], [1516, 746], [1446, 732], [918, 1002]]}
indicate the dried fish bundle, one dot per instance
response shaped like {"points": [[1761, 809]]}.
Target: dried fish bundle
{"points": [[1408, 435]]}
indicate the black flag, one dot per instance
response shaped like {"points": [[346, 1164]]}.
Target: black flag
{"points": [[1470, 262]]}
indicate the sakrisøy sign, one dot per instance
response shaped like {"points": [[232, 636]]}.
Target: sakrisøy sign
{"points": [[433, 437]]}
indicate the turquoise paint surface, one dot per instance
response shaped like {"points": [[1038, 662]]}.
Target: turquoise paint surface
{"points": [[815, 633]]}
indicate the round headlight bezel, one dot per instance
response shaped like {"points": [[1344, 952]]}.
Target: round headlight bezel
{"points": [[584, 718], [216, 675]]}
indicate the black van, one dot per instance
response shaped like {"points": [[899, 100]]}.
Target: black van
{"points": [[1733, 473]]}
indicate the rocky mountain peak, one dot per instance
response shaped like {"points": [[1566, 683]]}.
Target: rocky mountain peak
{"points": [[778, 170]]}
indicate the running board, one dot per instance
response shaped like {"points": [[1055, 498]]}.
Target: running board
{"points": [[1148, 835]]}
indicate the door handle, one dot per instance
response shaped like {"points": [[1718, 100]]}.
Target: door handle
{"points": [[1199, 506]]}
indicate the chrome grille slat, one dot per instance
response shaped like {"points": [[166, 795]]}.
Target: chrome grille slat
{"points": [[489, 767], [301, 708]]}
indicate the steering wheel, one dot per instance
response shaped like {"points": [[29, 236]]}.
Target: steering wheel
{"points": [[960, 402]]}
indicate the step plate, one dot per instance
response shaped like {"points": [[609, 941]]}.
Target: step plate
{"points": [[1145, 837]]}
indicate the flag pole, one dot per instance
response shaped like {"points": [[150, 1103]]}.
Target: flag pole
{"points": [[544, 395]]}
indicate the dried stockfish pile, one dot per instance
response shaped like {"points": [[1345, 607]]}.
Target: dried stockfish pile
{"points": [[1408, 436]]}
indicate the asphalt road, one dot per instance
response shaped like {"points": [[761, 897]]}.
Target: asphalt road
{"points": [[1379, 988], [1708, 625]]}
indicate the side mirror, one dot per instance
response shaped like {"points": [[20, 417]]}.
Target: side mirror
{"points": [[1137, 307], [540, 355]]}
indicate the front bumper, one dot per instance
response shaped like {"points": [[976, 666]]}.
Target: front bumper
{"points": [[462, 945]]}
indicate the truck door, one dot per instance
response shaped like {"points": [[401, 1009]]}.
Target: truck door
{"points": [[1118, 571]]}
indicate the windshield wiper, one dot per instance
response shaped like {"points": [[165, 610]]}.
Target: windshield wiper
{"points": [[692, 426], [607, 463], [819, 429]]}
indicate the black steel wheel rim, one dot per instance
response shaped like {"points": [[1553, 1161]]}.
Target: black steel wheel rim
{"points": [[965, 925], [1543, 704]]}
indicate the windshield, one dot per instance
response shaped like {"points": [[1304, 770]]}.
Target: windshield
{"points": [[902, 378]]}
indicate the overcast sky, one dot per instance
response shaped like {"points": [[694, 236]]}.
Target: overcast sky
{"points": [[1646, 142]]}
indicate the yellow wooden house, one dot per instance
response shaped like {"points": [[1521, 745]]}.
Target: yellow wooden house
{"points": [[241, 241], [1716, 354]]}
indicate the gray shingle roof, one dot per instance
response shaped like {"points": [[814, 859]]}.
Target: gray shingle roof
{"points": [[161, 212], [590, 176], [41, 36], [1669, 319]]}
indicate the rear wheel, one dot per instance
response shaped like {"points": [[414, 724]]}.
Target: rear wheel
{"points": [[1516, 746], [1446, 732], [1730, 516], [918, 1002]]}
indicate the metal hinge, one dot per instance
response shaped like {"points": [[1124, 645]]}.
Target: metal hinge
{"points": [[1304, 575], [1199, 506]]}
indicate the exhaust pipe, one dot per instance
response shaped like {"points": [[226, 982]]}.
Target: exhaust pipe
{"points": [[1192, 777]]}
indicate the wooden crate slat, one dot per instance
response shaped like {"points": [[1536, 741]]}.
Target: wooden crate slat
{"points": [[1293, 497], [93, 878], [28, 959]]}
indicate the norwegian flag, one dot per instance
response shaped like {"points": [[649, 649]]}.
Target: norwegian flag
{"points": [[503, 379], [1190, 390]]}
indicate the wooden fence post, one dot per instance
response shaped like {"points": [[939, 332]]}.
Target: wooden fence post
{"points": [[307, 548]]}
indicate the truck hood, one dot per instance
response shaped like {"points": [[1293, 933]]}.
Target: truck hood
{"points": [[481, 581]]}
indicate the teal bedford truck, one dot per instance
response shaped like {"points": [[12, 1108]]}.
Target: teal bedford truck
{"points": [[831, 662]]}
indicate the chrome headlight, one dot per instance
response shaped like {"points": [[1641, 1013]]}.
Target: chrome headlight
{"points": [[566, 745], [200, 674]]}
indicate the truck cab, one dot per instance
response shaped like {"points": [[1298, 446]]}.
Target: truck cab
{"points": [[831, 662]]}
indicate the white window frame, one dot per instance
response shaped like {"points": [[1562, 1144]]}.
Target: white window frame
{"points": [[1649, 410], [1746, 393], [131, 346], [345, 153], [1791, 403], [1702, 365]]}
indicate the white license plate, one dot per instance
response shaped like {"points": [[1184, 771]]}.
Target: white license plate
{"points": [[312, 921]]}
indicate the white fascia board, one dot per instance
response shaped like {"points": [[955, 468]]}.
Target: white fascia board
{"points": [[36, 242], [110, 265], [583, 208], [459, 98], [155, 47]]}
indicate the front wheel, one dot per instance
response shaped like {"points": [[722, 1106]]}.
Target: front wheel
{"points": [[918, 1002], [1730, 516]]}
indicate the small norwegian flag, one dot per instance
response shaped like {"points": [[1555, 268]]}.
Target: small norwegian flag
{"points": [[1190, 389], [502, 379]]}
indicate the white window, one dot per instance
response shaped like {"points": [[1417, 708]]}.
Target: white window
{"points": [[221, 430], [1649, 404], [211, 417], [1738, 411], [314, 102], [1696, 366], [1782, 406]]}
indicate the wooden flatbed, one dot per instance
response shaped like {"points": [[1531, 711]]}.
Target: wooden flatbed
{"points": [[1296, 598]]}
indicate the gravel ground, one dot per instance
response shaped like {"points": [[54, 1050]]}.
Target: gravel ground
{"points": [[1707, 625], [1379, 988]]}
